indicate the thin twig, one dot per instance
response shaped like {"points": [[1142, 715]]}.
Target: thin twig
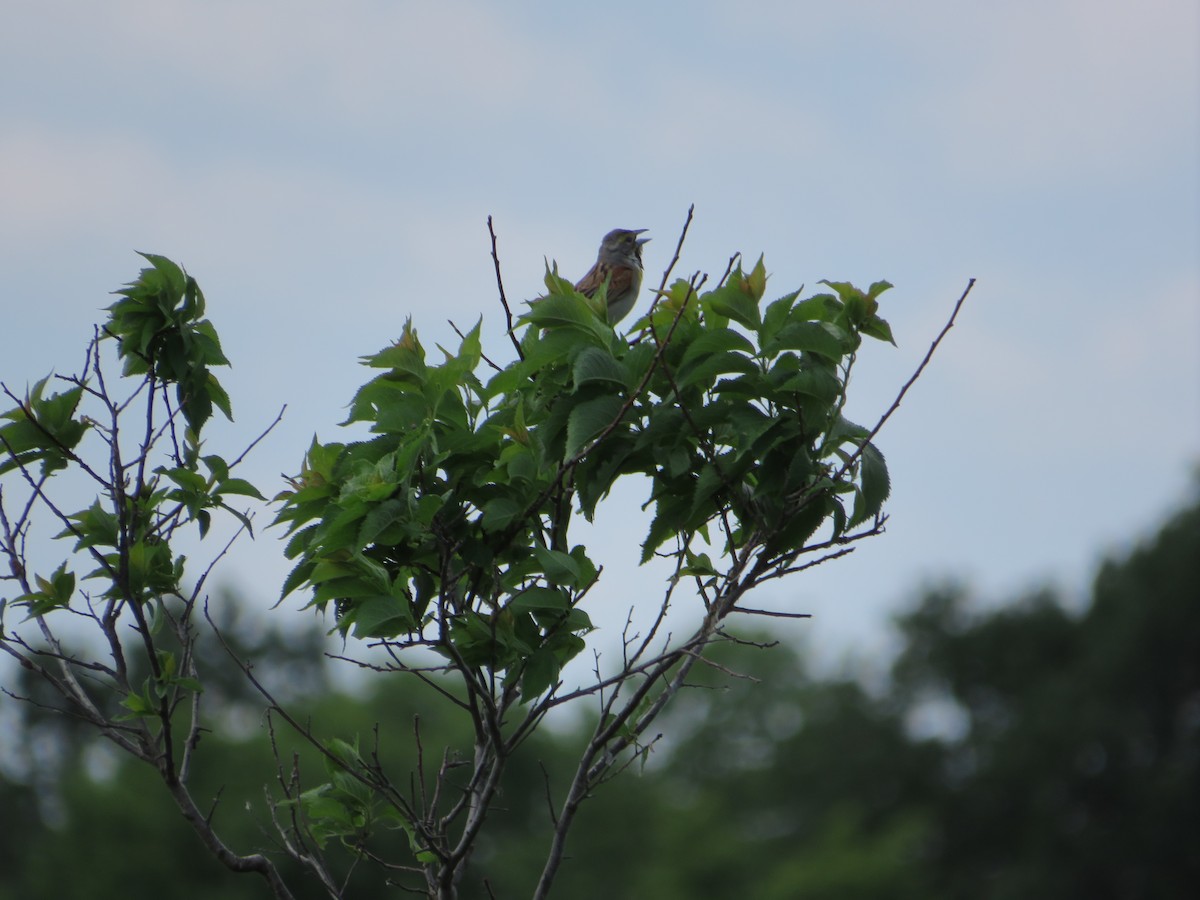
{"points": [[662, 285], [770, 612], [853, 457], [254, 443], [729, 267], [508, 316]]}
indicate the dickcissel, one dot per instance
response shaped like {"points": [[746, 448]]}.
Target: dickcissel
{"points": [[619, 263]]}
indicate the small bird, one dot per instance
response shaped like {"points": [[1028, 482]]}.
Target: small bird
{"points": [[620, 264]]}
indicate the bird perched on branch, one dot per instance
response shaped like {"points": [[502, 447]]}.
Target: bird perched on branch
{"points": [[620, 264]]}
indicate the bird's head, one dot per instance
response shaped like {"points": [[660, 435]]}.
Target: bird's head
{"points": [[623, 246]]}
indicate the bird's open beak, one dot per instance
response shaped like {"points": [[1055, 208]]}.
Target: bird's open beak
{"points": [[641, 241]]}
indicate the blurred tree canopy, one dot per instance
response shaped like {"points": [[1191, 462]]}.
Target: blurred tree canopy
{"points": [[1063, 761]]}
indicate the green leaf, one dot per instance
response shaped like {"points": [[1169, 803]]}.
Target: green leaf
{"points": [[345, 752], [62, 585], [875, 484], [42, 429], [381, 617], [405, 356], [298, 576], [167, 663], [715, 341], [559, 311], [698, 564], [817, 382], [843, 430], [819, 307], [470, 349], [802, 524], [53, 593], [705, 372], [590, 418], [93, 527], [23, 443], [333, 816], [379, 518], [174, 279], [240, 487], [709, 482], [878, 288], [577, 622], [540, 599], [775, 315], [217, 397], [500, 512], [328, 569], [879, 329], [190, 481], [139, 706], [586, 569], [735, 300], [813, 337], [55, 412], [560, 568], [844, 289], [217, 466], [207, 345], [756, 281], [539, 674], [672, 509], [594, 365]]}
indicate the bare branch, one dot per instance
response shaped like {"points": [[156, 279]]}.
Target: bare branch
{"points": [[675, 257], [771, 613], [254, 443], [508, 316]]}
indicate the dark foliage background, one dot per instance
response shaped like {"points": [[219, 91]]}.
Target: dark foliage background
{"points": [[1064, 762]]}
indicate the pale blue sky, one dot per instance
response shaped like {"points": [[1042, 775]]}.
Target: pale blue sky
{"points": [[326, 170]]}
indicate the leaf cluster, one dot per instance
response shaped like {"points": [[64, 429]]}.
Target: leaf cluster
{"points": [[160, 328], [444, 536], [42, 429], [448, 528], [134, 444], [163, 341]]}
